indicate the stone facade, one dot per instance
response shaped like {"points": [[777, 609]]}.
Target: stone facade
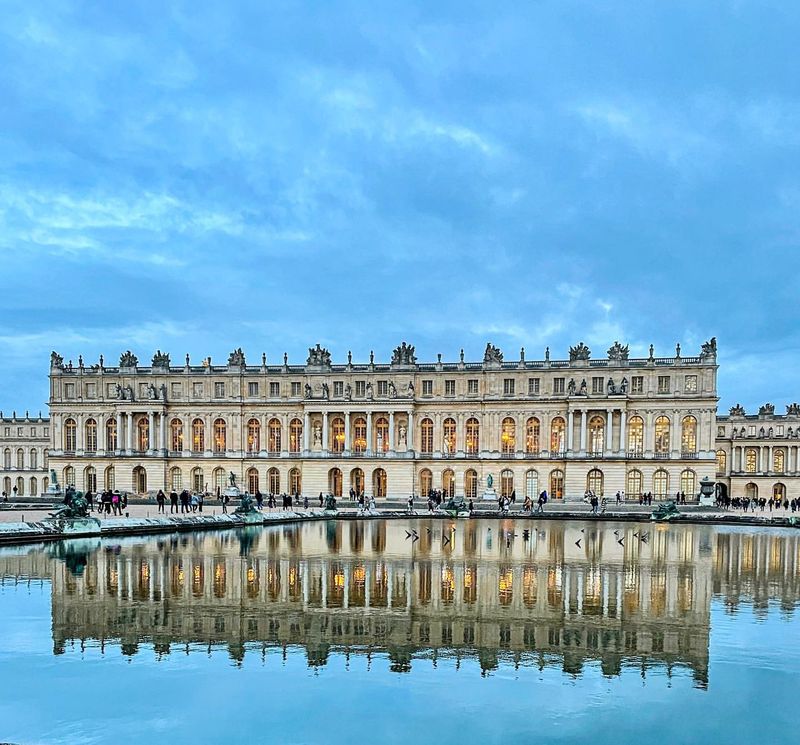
{"points": [[758, 455], [390, 429], [24, 442]]}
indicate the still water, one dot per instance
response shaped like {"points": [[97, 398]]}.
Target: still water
{"points": [[350, 632]]}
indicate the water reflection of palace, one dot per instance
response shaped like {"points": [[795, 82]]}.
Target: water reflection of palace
{"points": [[487, 590]]}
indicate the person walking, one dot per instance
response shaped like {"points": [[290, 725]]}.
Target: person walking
{"points": [[173, 502], [161, 499]]}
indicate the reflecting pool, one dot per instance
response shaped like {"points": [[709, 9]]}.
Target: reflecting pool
{"points": [[405, 631]]}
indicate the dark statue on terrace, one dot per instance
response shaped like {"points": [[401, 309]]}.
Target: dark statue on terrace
{"points": [[492, 354], [404, 355], [318, 357], [236, 358], [580, 352], [128, 359]]}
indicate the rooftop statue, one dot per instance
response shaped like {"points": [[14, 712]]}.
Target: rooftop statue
{"points": [[236, 358], [160, 359], [793, 409], [492, 354], [709, 348], [617, 352], [128, 359], [56, 360], [580, 352], [318, 357], [766, 409], [737, 410], [404, 355]]}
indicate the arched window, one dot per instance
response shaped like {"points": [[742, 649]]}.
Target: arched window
{"points": [[252, 480], [778, 461], [448, 483], [596, 434], [722, 462], [506, 482], [143, 434], [89, 479], [751, 490], [220, 436], [175, 479], [471, 484], [426, 436], [425, 482], [750, 461], [449, 436], [472, 436], [90, 430], [220, 480], [557, 429], [7, 485], [197, 481], [295, 436], [109, 479], [20, 486], [635, 435], [379, 482], [274, 436], [594, 482], [359, 435], [139, 480], [689, 435], [532, 484], [532, 426], [557, 484], [7, 459], [508, 436], [34, 459], [335, 482], [253, 437], [20, 459], [634, 484], [337, 436], [662, 435], [688, 482], [295, 481], [661, 484], [34, 492], [274, 481], [111, 434], [176, 435], [70, 435], [198, 436], [382, 435], [357, 481], [779, 492]]}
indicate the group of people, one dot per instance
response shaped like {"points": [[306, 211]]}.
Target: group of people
{"points": [[750, 504]]}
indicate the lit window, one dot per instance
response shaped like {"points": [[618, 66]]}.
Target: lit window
{"points": [[70, 434], [778, 461], [596, 435], [689, 435], [532, 435], [220, 436], [636, 435], [557, 429], [295, 436], [274, 436], [253, 436], [449, 438], [176, 435], [359, 435], [662, 444], [750, 461], [508, 436], [472, 433]]}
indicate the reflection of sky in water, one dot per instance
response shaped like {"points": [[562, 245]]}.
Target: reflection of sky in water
{"points": [[273, 694]]}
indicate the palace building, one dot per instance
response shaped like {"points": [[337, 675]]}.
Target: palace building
{"points": [[391, 429], [24, 442]]}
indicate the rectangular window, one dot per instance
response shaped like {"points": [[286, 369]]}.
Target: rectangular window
{"points": [[472, 385], [252, 389], [533, 386], [33, 432], [637, 384], [175, 390], [663, 383], [69, 390], [427, 387], [449, 387], [46, 431], [275, 389], [19, 431], [7, 431], [779, 430], [91, 390], [219, 390], [295, 389], [338, 388], [361, 388], [558, 385], [111, 390], [751, 430], [597, 385], [690, 384], [143, 392], [720, 431], [383, 388], [508, 386], [197, 390]]}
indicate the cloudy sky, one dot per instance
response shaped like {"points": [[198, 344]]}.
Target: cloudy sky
{"points": [[196, 177]]}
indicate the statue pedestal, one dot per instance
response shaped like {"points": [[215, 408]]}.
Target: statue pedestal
{"points": [[80, 525], [490, 494], [234, 492], [251, 518], [706, 501]]}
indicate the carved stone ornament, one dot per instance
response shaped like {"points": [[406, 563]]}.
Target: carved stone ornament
{"points": [[709, 348], [766, 410], [236, 358], [617, 352], [492, 354], [793, 409], [737, 410], [56, 360], [580, 352], [404, 355], [128, 359], [160, 359], [318, 357]]}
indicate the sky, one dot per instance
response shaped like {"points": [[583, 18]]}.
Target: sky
{"points": [[195, 177]]}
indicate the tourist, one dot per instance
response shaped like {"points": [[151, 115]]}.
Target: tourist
{"points": [[619, 498], [200, 499], [173, 502], [193, 502], [320, 499], [161, 498], [410, 503], [184, 501], [259, 499], [305, 501], [115, 503], [471, 507], [224, 501]]}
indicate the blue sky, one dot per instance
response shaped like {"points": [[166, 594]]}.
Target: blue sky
{"points": [[199, 176]]}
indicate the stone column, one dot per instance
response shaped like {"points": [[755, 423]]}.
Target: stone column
{"points": [[129, 431], [609, 430], [391, 433], [306, 429], [151, 430], [583, 430], [410, 432], [284, 435], [369, 431], [163, 422], [325, 443], [570, 432], [347, 443], [623, 423], [120, 441], [101, 434]]}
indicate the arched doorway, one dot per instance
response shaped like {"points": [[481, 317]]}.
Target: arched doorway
{"points": [[425, 483], [506, 482], [471, 484], [109, 479], [379, 482], [556, 484], [140, 480], [532, 484], [197, 482], [295, 482], [90, 479], [751, 490], [448, 483], [274, 481], [357, 481], [779, 492], [252, 480], [335, 482], [594, 482]]}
